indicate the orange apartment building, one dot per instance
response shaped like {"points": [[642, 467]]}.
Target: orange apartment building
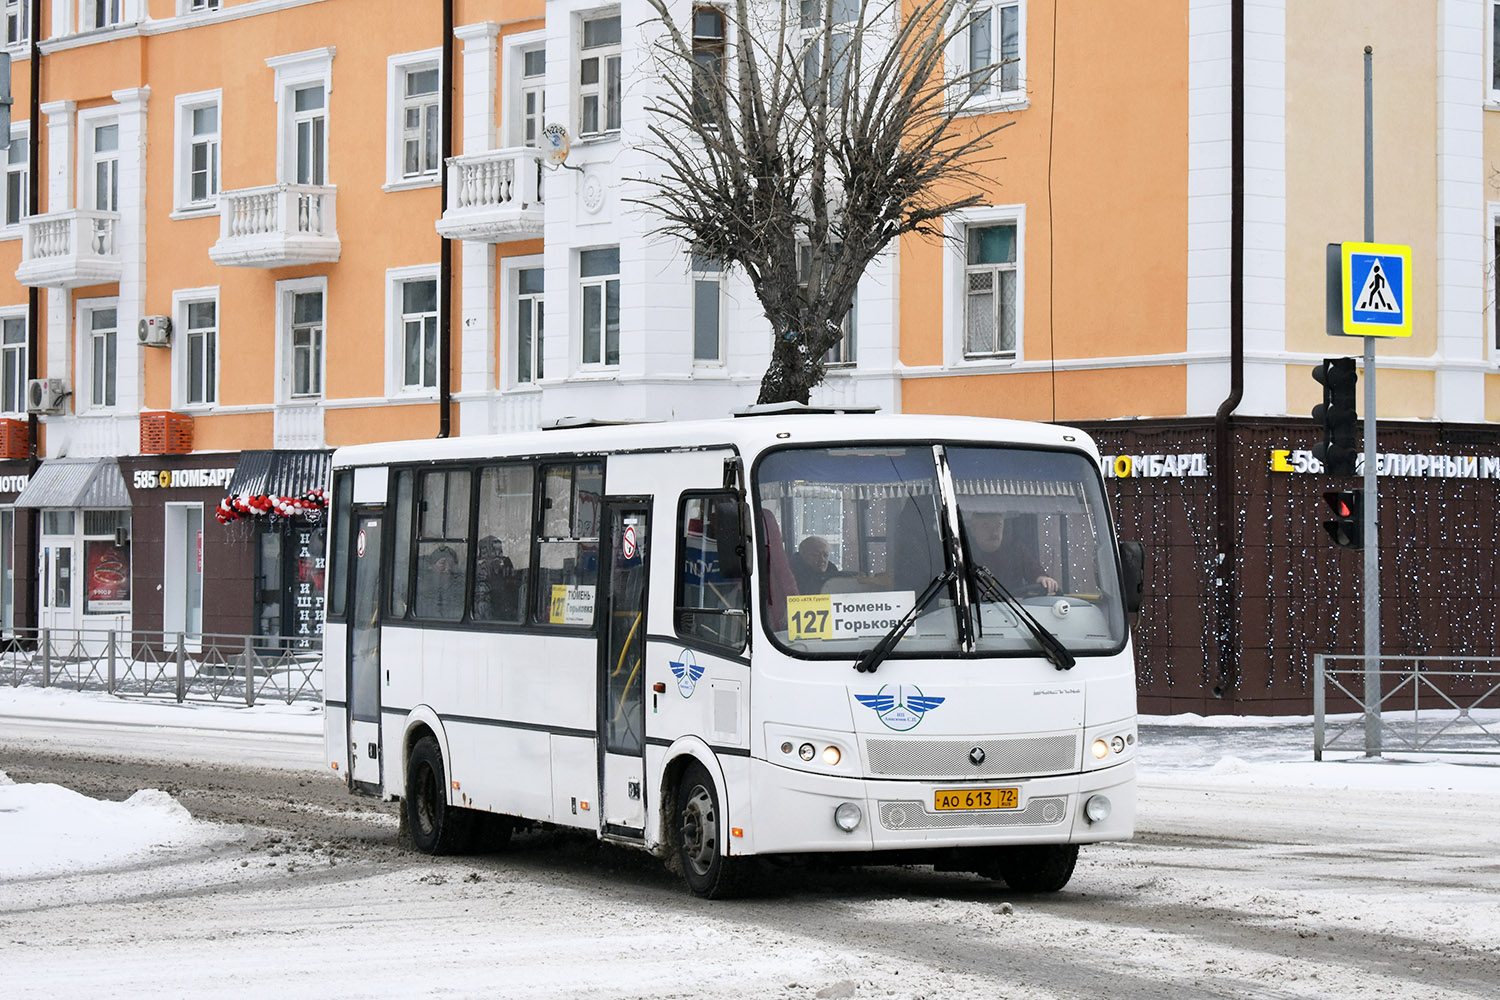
{"points": [[260, 232]]}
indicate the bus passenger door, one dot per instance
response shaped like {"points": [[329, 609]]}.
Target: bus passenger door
{"points": [[622, 667], [364, 650]]}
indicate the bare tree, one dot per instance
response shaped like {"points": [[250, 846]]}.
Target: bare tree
{"points": [[797, 145]]}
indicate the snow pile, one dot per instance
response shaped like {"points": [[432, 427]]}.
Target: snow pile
{"points": [[50, 830]]}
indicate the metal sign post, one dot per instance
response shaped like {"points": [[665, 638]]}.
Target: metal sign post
{"points": [[1372, 539]]}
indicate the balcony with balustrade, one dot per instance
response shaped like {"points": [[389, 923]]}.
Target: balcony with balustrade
{"points": [[278, 225], [70, 248], [494, 196]]}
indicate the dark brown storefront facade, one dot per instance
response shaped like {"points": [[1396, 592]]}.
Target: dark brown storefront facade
{"points": [[1238, 635]]}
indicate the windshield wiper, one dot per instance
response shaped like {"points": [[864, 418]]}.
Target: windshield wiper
{"points": [[992, 589], [875, 657]]}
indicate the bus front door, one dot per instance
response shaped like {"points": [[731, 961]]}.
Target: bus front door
{"points": [[622, 654], [364, 651]]}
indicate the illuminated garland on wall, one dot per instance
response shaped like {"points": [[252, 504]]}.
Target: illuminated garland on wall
{"points": [[309, 506]]}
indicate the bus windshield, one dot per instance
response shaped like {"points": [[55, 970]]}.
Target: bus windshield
{"points": [[851, 536]]}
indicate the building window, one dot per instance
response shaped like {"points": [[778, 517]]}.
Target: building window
{"points": [[103, 343], [17, 174], [599, 271], [599, 76], [842, 352], [845, 16], [708, 310], [304, 342], [200, 337], [17, 22], [420, 110], [708, 61], [531, 313], [100, 13], [992, 52], [533, 94], [199, 6], [310, 134], [198, 150], [13, 365], [990, 292], [105, 174], [419, 333]]}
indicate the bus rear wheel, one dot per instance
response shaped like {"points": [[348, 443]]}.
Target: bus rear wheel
{"points": [[1033, 867], [701, 831], [436, 827]]}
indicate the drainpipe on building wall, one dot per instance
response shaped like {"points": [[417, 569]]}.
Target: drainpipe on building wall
{"points": [[1226, 610], [32, 612], [445, 258]]}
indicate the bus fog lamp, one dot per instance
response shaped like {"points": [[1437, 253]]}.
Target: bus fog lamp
{"points": [[786, 747], [1117, 744], [1100, 749], [1096, 809], [847, 816], [831, 756], [806, 751]]}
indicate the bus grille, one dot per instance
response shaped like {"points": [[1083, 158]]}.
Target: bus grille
{"points": [[913, 815], [950, 758]]}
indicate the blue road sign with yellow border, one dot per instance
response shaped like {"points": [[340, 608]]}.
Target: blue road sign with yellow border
{"points": [[1376, 280]]}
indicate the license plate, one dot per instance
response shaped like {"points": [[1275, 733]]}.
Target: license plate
{"points": [[975, 798]]}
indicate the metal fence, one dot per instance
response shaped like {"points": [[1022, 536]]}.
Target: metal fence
{"points": [[167, 665], [1426, 703]]}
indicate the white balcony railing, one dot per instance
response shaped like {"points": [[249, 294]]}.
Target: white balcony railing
{"points": [[494, 196], [279, 225], [68, 249]]}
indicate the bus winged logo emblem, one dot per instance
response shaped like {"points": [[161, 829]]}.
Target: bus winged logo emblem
{"points": [[687, 671], [899, 707]]}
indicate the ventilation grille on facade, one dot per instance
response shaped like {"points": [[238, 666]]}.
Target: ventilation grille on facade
{"points": [[950, 758], [913, 815]]}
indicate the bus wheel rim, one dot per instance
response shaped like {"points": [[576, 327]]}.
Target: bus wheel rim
{"points": [[700, 830]]}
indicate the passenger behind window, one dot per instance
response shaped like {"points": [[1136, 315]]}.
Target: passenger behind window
{"points": [[497, 585], [440, 585]]}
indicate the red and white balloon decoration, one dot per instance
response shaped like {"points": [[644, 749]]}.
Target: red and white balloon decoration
{"points": [[309, 505]]}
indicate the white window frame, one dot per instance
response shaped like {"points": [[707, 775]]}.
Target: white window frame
{"points": [[396, 279], [995, 96], [113, 14], [286, 291], [600, 89], [811, 36], [19, 134], [17, 23], [182, 349], [514, 87], [397, 68], [955, 284], [84, 324], [510, 276], [1492, 43], [293, 73], [699, 274], [7, 315], [182, 167], [602, 282], [198, 7], [88, 159]]}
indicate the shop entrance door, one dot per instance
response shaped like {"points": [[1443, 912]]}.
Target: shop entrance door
{"points": [[61, 600], [182, 583]]}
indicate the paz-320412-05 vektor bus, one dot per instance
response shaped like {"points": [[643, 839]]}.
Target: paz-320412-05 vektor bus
{"points": [[779, 634]]}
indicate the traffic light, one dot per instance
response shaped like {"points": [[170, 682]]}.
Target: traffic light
{"points": [[1347, 529], [1339, 448]]}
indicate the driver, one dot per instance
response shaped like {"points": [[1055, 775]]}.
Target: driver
{"points": [[1013, 563]]}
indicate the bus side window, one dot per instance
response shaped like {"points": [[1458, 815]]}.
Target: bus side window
{"points": [[401, 547], [567, 560], [708, 606], [502, 557], [338, 568], [442, 545]]}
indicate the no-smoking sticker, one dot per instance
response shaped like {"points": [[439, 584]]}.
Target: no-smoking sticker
{"points": [[627, 544], [359, 543]]}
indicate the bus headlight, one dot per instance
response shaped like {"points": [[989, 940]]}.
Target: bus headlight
{"points": [[831, 756], [806, 751], [1100, 749], [1096, 809], [847, 816]]}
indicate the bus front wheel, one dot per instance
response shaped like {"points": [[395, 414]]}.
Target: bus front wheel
{"points": [[701, 831], [436, 827], [1032, 867]]}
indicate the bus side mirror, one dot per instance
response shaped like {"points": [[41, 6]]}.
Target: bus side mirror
{"points": [[1133, 572], [727, 528]]}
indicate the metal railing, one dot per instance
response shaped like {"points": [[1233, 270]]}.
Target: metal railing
{"points": [[1426, 703], [168, 665]]}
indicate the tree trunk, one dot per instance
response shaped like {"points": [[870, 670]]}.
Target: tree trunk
{"points": [[792, 373]]}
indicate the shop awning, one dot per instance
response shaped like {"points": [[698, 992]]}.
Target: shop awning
{"points": [[280, 473], [94, 483]]}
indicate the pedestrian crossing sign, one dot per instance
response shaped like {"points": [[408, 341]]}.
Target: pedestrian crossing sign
{"points": [[1376, 280]]}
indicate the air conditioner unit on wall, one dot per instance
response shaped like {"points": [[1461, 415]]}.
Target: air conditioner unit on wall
{"points": [[46, 395], [155, 331]]}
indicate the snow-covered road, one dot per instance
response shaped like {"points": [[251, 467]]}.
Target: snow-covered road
{"points": [[1255, 874]]}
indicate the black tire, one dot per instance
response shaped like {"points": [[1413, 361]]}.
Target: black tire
{"points": [[702, 830], [1033, 867], [435, 826]]}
